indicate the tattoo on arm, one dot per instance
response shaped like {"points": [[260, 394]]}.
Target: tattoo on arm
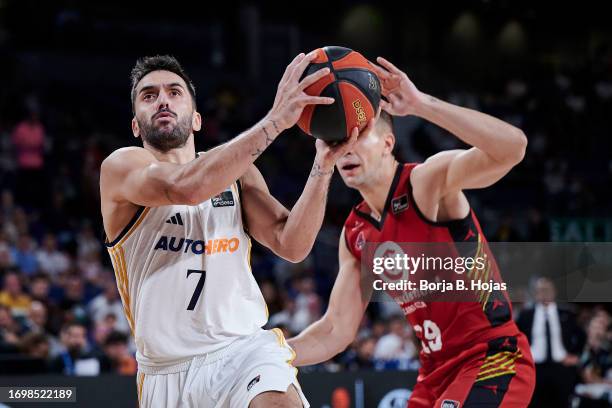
{"points": [[268, 141], [268, 138], [317, 172], [433, 99]]}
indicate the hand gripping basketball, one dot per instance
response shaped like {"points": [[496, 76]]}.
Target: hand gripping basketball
{"points": [[290, 98]]}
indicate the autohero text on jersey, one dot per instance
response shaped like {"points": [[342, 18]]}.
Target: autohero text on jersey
{"points": [[197, 247]]}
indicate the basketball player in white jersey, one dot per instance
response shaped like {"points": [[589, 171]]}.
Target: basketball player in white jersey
{"points": [[179, 228]]}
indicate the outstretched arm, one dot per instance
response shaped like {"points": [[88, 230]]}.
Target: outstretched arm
{"points": [[337, 328], [291, 234], [497, 145], [135, 175]]}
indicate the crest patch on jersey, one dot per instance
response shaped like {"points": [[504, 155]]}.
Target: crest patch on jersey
{"points": [[253, 382], [399, 204], [449, 404], [225, 199], [360, 241]]}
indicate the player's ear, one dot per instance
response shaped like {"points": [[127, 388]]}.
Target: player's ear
{"points": [[389, 143], [196, 121], [135, 127]]}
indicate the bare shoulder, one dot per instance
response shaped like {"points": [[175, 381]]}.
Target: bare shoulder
{"points": [[125, 158]]}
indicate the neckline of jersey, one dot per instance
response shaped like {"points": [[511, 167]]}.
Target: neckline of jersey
{"points": [[368, 217]]}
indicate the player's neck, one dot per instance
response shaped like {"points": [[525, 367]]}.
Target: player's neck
{"points": [[375, 193], [181, 155]]}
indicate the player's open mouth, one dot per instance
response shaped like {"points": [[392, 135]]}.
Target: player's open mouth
{"points": [[349, 167]]}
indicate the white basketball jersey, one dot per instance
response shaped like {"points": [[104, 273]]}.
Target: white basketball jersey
{"points": [[185, 279]]}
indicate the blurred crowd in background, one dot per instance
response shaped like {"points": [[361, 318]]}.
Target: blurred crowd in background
{"points": [[67, 107]]}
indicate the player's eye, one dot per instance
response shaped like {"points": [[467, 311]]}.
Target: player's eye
{"points": [[175, 92], [148, 97]]}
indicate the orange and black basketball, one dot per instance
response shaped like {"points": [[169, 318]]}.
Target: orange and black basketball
{"points": [[354, 87]]}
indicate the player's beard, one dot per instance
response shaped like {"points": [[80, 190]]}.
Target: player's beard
{"points": [[163, 139]]}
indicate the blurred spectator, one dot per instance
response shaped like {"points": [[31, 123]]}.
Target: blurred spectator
{"points": [[28, 139], [360, 355], [75, 358], [556, 342], [73, 301], [117, 355], [50, 260], [12, 295], [6, 253], [40, 288], [9, 338], [307, 305], [109, 303], [271, 296], [396, 349], [24, 255], [35, 345], [596, 363], [37, 317], [88, 244], [104, 327]]}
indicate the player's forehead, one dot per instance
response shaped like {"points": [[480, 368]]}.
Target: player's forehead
{"points": [[159, 79]]}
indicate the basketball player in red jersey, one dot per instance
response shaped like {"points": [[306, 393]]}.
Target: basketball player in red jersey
{"points": [[473, 355]]}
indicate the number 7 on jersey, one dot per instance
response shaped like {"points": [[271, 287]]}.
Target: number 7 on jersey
{"points": [[198, 289]]}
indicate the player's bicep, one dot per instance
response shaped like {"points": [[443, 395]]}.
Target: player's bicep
{"points": [[351, 292], [135, 175], [265, 215]]}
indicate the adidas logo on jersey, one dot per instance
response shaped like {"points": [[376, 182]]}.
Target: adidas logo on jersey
{"points": [[225, 199], [197, 247], [175, 219]]}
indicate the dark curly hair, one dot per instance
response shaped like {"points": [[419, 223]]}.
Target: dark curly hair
{"points": [[159, 63]]}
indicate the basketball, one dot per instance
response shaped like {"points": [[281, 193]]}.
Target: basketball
{"points": [[355, 88]]}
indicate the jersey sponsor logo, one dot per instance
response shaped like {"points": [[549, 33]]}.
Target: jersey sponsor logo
{"points": [[399, 204], [253, 382], [449, 404], [225, 199], [197, 247], [175, 219]]}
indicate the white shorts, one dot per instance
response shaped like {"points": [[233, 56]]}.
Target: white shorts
{"points": [[228, 378]]}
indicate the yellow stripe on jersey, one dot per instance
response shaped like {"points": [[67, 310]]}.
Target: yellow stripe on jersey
{"points": [[117, 255], [498, 364], [280, 337], [139, 384]]}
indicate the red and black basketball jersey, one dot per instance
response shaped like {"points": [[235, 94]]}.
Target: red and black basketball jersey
{"points": [[446, 328]]}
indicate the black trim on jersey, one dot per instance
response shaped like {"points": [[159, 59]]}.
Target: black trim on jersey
{"points": [[242, 215], [379, 224], [445, 224], [488, 393], [126, 229]]}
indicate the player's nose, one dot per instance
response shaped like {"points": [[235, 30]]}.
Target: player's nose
{"points": [[163, 101]]}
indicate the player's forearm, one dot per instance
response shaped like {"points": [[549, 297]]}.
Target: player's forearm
{"points": [[317, 343], [306, 216], [213, 171], [502, 141]]}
